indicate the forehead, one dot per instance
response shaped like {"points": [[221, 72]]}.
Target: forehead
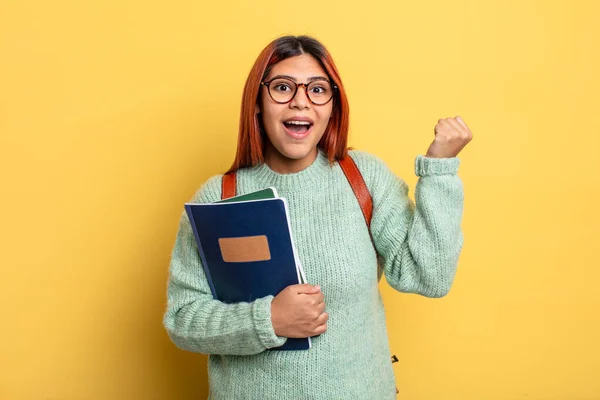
{"points": [[300, 67]]}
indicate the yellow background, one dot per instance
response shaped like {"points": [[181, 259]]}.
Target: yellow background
{"points": [[112, 114]]}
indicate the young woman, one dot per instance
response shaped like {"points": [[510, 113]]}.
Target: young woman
{"points": [[293, 130]]}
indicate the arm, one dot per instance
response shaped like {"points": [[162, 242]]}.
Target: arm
{"points": [[194, 320], [419, 245]]}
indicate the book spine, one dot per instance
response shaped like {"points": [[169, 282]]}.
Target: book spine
{"points": [[188, 209]]}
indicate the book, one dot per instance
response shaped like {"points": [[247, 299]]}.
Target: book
{"points": [[247, 250], [268, 193]]}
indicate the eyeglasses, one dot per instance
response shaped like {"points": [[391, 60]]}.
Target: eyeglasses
{"points": [[283, 90]]}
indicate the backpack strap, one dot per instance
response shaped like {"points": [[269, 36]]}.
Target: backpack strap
{"points": [[359, 187], [355, 178], [228, 185]]}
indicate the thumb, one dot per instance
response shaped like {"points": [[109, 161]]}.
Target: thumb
{"points": [[305, 288]]}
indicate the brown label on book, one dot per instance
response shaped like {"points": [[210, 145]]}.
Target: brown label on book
{"points": [[245, 249]]}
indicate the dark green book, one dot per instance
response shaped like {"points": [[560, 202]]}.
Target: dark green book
{"points": [[269, 193]]}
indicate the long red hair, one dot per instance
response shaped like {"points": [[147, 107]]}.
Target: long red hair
{"points": [[251, 140]]}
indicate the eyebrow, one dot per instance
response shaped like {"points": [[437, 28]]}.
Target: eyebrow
{"points": [[311, 79]]}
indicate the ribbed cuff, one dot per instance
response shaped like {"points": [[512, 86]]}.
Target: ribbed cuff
{"points": [[261, 313], [425, 166]]}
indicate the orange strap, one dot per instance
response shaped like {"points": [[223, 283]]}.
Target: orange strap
{"points": [[228, 185], [352, 174], [359, 187]]}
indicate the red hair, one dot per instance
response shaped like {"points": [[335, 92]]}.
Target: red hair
{"points": [[251, 141]]}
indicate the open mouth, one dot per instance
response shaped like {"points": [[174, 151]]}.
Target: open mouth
{"points": [[297, 128]]}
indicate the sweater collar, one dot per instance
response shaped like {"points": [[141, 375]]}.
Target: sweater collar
{"points": [[311, 175]]}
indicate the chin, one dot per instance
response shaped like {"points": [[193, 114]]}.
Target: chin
{"points": [[294, 150], [297, 153]]}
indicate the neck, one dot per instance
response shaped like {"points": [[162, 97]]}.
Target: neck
{"points": [[284, 165]]}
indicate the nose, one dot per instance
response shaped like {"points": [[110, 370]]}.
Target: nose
{"points": [[300, 100]]}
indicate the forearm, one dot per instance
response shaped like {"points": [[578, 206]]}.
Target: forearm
{"points": [[421, 242], [212, 327], [195, 321]]}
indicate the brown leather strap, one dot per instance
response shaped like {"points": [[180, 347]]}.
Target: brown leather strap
{"points": [[352, 173], [359, 187], [228, 185]]}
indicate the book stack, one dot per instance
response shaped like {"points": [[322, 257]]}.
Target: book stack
{"points": [[247, 250]]}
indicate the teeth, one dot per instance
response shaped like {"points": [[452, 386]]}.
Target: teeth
{"points": [[298, 122]]}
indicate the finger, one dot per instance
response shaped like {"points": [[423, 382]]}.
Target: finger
{"points": [[442, 127], [439, 128], [305, 288], [457, 127], [446, 123], [321, 308], [462, 122], [324, 317], [319, 330], [469, 134], [317, 318], [312, 299], [317, 298]]}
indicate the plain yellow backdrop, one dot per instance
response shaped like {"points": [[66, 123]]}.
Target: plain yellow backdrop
{"points": [[114, 112]]}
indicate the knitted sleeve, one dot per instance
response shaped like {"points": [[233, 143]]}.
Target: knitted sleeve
{"points": [[194, 320], [418, 242]]}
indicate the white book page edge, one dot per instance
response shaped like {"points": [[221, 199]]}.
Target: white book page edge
{"points": [[299, 269]]}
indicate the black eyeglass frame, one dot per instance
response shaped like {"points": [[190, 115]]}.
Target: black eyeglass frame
{"points": [[268, 85]]}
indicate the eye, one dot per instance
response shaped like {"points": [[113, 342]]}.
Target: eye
{"points": [[282, 87], [319, 90]]}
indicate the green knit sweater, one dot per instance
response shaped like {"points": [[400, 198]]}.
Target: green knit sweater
{"points": [[418, 249]]}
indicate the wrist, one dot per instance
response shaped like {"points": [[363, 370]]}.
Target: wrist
{"points": [[275, 318], [428, 165], [263, 323]]}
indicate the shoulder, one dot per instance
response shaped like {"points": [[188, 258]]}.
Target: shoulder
{"points": [[366, 161], [210, 191], [374, 170]]}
